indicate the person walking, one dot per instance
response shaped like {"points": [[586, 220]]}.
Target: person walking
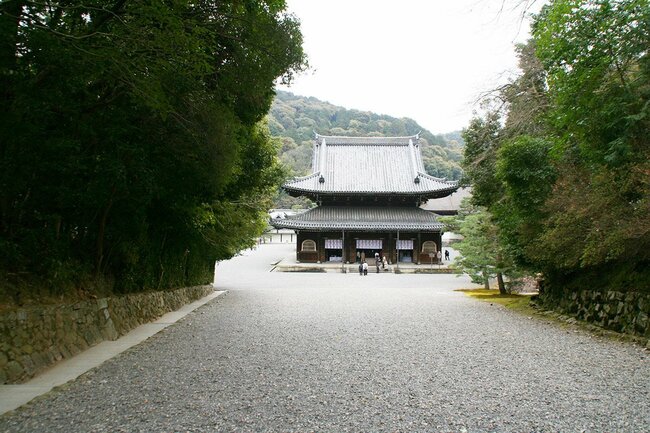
{"points": [[365, 268], [360, 268], [446, 255]]}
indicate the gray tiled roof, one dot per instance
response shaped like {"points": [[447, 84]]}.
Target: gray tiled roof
{"points": [[368, 218], [376, 165]]}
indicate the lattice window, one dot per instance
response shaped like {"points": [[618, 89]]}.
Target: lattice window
{"points": [[333, 244], [369, 244], [429, 247], [404, 244], [308, 245]]}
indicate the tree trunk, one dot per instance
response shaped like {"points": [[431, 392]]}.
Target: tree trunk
{"points": [[502, 286], [160, 261], [486, 281], [101, 233]]}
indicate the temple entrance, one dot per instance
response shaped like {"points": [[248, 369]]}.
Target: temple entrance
{"points": [[406, 256], [405, 250], [368, 255], [334, 255], [334, 250], [367, 248]]}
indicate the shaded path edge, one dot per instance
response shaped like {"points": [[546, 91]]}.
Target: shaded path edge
{"points": [[14, 396]]}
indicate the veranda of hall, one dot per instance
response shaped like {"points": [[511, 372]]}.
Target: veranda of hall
{"points": [[417, 247]]}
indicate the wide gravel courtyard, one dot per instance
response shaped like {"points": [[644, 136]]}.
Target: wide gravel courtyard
{"points": [[297, 352]]}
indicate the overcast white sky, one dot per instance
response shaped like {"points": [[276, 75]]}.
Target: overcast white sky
{"points": [[423, 59]]}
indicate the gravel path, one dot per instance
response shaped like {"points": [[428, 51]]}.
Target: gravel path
{"points": [[335, 352]]}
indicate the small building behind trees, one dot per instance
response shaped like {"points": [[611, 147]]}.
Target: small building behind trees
{"points": [[368, 191]]}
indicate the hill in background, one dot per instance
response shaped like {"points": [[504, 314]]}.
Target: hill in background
{"points": [[294, 119]]}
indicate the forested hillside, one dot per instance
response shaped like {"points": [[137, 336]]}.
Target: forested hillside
{"points": [[294, 119]]}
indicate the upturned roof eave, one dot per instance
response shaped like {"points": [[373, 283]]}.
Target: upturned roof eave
{"points": [[444, 187], [361, 218], [433, 193]]}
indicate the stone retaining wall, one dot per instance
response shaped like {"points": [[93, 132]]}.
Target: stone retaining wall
{"points": [[32, 339], [626, 312]]}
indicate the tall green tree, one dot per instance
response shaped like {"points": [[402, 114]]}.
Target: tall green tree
{"points": [[571, 158], [526, 173], [130, 146], [482, 139], [595, 53]]}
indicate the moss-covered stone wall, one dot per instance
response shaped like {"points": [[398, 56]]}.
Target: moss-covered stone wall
{"points": [[626, 312], [32, 339]]}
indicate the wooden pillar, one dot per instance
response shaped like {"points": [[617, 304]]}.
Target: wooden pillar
{"points": [[418, 249], [319, 249], [397, 252], [343, 255], [297, 246]]}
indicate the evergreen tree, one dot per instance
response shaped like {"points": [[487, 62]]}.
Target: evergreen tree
{"points": [[131, 146], [566, 174]]}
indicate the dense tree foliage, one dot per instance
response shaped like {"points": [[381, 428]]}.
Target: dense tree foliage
{"points": [[482, 255], [131, 150], [567, 175], [294, 119]]}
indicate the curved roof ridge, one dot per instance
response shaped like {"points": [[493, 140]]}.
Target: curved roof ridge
{"points": [[414, 136], [364, 140]]}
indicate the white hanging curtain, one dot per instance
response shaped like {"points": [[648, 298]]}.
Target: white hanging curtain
{"points": [[369, 244], [333, 244], [405, 244]]}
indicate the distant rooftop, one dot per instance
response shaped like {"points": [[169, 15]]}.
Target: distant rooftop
{"points": [[369, 165]]}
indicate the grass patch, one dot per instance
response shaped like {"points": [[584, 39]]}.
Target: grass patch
{"points": [[520, 303]]}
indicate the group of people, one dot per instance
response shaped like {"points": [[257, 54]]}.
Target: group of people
{"points": [[379, 262]]}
